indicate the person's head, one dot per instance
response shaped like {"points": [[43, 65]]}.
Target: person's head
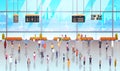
{"points": [[76, 49], [10, 56], [106, 43], [56, 51], [67, 42], [28, 59], [84, 57], [34, 52], [90, 55], [109, 56], [51, 43], [19, 44], [65, 35], [11, 42], [25, 44], [68, 59]]}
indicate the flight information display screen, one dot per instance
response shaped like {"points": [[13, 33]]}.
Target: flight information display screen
{"points": [[96, 17], [78, 18], [32, 18]]}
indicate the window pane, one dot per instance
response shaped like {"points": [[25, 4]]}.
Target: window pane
{"points": [[116, 21], [57, 5], [96, 25], [2, 21], [2, 5], [56, 21], [117, 5], [11, 5], [22, 25], [106, 5]]}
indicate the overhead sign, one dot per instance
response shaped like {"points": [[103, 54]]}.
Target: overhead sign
{"points": [[79, 18]]}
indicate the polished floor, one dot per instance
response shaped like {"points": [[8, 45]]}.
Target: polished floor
{"points": [[57, 64]]}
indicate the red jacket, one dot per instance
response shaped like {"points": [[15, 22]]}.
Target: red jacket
{"points": [[5, 44]]}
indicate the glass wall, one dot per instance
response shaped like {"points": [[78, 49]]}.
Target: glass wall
{"points": [[55, 17], [57, 21], [117, 21], [2, 21], [116, 5], [2, 5]]}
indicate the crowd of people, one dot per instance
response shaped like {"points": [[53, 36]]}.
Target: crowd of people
{"points": [[42, 46]]}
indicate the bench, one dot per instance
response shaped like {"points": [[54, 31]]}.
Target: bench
{"points": [[14, 38]]}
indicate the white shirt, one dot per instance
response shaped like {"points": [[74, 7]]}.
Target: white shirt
{"points": [[58, 40], [34, 54], [39, 42], [112, 43], [10, 59], [48, 58], [53, 50]]}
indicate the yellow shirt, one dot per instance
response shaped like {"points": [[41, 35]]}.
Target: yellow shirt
{"points": [[58, 44], [52, 46], [68, 63], [115, 62]]}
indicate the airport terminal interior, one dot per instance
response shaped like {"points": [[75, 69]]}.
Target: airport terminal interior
{"points": [[59, 35]]}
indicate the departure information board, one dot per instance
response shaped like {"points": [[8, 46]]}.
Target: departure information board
{"points": [[32, 18], [78, 18]]}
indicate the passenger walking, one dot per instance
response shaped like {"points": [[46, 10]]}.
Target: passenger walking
{"points": [[99, 64], [110, 61], [19, 47], [34, 56], [63, 57], [28, 64], [90, 60]]}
